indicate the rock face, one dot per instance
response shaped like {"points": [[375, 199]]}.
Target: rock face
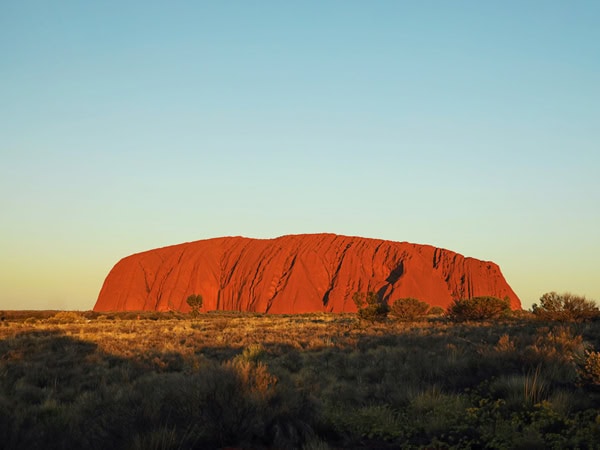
{"points": [[295, 274]]}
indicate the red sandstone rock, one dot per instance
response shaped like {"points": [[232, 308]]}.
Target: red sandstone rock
{"points": [[295, 274]]}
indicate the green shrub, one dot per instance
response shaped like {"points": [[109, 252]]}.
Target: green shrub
{"points": [[478, 308], [370, 306], [565, 307], [409, 308], [367, 422]]}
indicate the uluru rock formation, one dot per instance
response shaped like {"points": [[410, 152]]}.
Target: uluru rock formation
{"points": [[295, 274]]}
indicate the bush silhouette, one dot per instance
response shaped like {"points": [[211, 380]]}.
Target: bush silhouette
{"points": [[370, 306], [566, 307], [195, 303], [409, 308], [478, 308]]}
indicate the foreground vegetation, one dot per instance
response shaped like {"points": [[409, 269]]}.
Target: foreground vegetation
{"points": [[151, 380]]}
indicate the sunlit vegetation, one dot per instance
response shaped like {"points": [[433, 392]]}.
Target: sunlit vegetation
{"points": [[566, 307], [146, 380]]}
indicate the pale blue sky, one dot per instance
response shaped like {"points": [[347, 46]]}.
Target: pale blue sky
{"points": [[469, 125]]}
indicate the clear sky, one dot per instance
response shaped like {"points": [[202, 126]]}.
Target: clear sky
{"points": [[468, 125]]}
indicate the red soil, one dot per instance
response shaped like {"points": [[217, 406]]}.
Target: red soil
{"points": [[295, 274]]}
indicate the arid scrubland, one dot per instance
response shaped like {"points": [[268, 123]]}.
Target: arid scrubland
{"points": [[315, 381]]}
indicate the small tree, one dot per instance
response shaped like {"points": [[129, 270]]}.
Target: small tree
{"points": [[370, 306], [195, 303], [478, 308], [565, 307], [409, 308]]}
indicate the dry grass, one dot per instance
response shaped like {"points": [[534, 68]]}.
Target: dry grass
{"points": [[149, 380]]}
